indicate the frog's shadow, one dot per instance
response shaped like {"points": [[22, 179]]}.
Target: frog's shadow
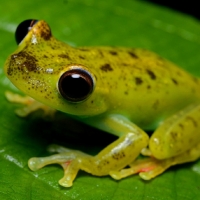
{"points": [[68, 132]]}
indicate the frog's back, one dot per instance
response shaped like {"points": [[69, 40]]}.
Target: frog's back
{"points": [[133, 82], [141, 83]]}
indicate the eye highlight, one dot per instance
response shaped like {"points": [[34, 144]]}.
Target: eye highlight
{"points": [[23, 28], [75, 85]]}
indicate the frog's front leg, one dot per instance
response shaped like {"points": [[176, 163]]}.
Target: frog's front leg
{"points": [[176, 141], [30, 105], [114, 157]]}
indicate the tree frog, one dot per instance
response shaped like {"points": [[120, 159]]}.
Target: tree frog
{"points": [[122, 91]]}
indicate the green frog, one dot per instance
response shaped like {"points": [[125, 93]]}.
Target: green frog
{"points": [[123, 91]]}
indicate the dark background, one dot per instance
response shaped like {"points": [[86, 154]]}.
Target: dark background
{"points": [[189, 7]]}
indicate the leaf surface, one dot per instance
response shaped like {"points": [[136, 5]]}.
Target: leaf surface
{"points": [[90, 23]]}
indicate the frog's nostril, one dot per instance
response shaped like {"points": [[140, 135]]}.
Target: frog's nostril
{"points": [[23, 28]]}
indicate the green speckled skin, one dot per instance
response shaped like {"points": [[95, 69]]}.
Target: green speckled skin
{"points": [[133, 88], [133, 82]]}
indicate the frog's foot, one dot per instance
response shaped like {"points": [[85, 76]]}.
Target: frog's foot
{"points": [[16, 98], [59, 149], [115, 156], [70, 160], [151, 167], [30, 105], [147, 168], [65, 160]]}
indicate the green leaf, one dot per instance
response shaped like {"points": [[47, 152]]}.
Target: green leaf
{"points": [[90, 23]]}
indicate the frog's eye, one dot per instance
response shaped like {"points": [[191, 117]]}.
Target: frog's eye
{"points": [[23, 28], [76, 85]]}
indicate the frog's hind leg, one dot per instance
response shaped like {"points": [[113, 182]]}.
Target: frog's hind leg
{"points": [[176, 141], [115, 156], [151, 167], [159, 166]]}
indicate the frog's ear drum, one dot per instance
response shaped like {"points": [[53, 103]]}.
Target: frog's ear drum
{"points": [[23, 28], [76, 85]]}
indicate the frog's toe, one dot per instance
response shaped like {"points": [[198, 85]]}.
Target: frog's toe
{"points": [[154, 169], [71, 169], [17, 98], [53, 148], [35, 163], [117, 175], [70, 162], [65, 182], [147, 169]]}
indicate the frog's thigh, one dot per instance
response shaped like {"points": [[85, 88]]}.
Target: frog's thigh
{"points": [[115, 156], [152, 167], [176, 141], [176, 134]]}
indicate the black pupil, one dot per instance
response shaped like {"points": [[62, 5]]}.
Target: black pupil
{"points": [[75, 86], [23, 28]]}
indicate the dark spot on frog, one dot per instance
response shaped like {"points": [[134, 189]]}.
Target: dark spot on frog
{"points": [[106, 68], [100, 53], [138, 81], [125, 64], [179, 73], [45, 32], [126, 93], [181, 126], [22, 60], [192, 120], [118, 156], [82, 49], [148, 87], [64, 56], [174, 135], [124, 78], [99, 167], [114, 53], [175, 81], [155, 104], [151, 74], [105, 162], [45, 56], [81, 57], [195, 80], [133, 55]]}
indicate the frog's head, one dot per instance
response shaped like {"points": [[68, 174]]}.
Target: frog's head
{"points": [[47, 70]]}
